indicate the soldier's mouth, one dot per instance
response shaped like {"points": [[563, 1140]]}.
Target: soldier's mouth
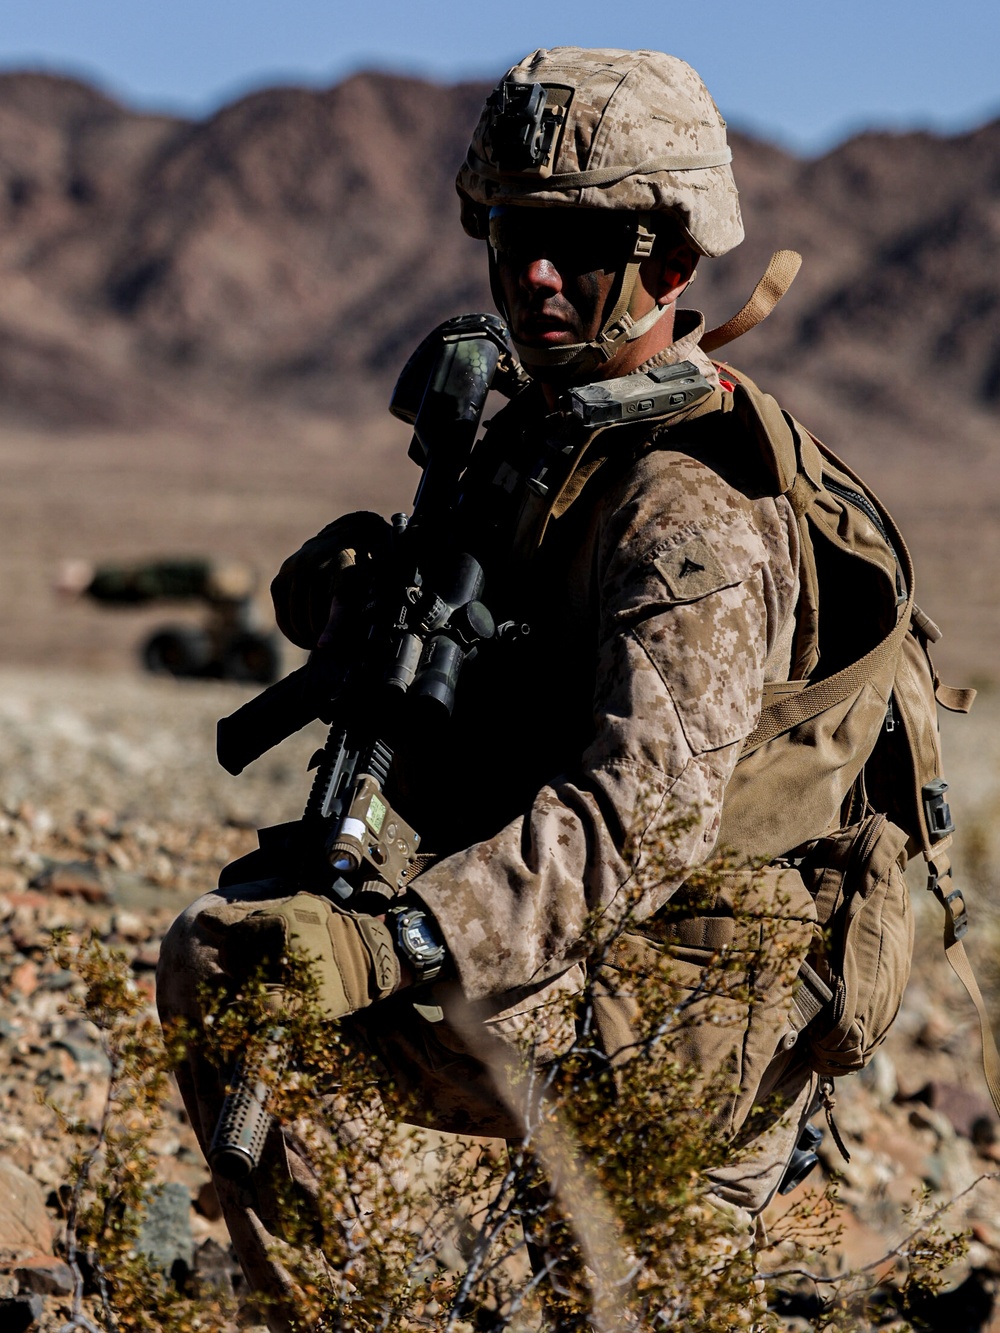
{"points": [[543, 329]]}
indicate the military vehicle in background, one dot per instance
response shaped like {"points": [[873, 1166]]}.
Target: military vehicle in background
{"points": [[229, 645]]}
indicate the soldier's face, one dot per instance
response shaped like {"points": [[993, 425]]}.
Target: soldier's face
{"points": [[557, 268]]}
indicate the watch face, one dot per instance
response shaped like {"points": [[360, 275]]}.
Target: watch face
{"points": [[419, 941], [415, 937]]}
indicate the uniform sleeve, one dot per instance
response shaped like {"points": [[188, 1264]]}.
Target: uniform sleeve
{"points": [[694, 584]]}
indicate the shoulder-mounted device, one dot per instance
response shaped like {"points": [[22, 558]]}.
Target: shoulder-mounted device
{"points": [[651, 393]]}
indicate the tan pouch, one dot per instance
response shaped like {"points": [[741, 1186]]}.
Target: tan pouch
{"points": [[862, 902], [729, 960]]}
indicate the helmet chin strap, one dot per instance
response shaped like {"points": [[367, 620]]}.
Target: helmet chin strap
{"points": [[590, 355], [619, 327]]}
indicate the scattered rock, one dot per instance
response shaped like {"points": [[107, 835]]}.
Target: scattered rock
{"points": [[90, 1058], [11, 880], [70, 879], [18, 1314], [24, 978], [60, 980], [968, 1111], [146, 959], [207, 1202], [216, 1268], [97, 818], [880, 1076], [936, 1033], [45, 1276], [39, 820], [926, 1117], [130, 926], [120, 857], [166, 1231], [24, 1223]]}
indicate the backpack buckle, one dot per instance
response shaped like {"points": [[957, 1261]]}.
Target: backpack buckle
{"points": [[958, 918], [937, 811], [956, 915]]}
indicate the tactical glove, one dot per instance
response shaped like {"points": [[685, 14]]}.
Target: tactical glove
{"points": [[338, 562], [352, 956]]}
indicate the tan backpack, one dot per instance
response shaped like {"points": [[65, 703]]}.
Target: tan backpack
{"points": [[841, 779]]}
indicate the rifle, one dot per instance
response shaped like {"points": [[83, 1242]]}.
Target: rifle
{"points": [[423, 620]]}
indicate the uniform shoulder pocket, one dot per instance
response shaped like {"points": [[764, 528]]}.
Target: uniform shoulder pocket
{"points": [[692, 570], [706, 635]]}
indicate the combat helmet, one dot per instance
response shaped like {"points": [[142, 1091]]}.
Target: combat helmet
{"points": [[635, 131]]}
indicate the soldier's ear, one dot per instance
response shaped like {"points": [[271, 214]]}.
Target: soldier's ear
{"points": [[674, 270]]}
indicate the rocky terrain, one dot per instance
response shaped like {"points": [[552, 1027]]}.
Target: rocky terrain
{"points": [[113, 815]]}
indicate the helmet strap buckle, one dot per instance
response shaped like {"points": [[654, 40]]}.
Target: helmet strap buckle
{"points": [[612, 337], [644, 241]]}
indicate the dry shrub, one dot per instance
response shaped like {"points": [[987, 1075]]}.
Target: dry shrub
{"points": [[596, 1218], [113, 1174]]}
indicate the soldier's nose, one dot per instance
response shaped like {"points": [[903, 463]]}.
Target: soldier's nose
{"points": [[541, 275]]}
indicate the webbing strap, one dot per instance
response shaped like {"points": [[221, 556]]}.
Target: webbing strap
{"points": [[569, 180], [960, 965], [421, 862], [954, 698], [811, 997], [791, 710], [575, 484], [778, 277], [956, 923]]}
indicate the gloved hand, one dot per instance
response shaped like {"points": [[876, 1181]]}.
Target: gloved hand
{"points": [[353, 956], [329, 577]]}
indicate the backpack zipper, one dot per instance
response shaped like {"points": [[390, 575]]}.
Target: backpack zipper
{"points": [[866, 507], [859, 501]]}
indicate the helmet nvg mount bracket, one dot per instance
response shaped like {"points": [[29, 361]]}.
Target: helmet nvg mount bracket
{"points": [[522, 129]]}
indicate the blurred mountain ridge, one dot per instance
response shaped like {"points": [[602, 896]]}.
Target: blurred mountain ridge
{"points": [[293, 247]]}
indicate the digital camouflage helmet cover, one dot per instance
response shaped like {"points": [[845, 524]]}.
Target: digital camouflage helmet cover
{"points": [[634, 131]]}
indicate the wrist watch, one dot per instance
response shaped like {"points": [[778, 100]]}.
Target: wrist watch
{"points": [[419, 941]]}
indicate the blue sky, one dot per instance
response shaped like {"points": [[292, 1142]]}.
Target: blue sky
{"points": [[803, 72]]}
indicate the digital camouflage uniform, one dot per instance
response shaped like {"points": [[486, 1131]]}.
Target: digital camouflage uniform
{"points": [[665, 596], [660, 578]]}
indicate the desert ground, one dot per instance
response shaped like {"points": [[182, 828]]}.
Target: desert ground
{"points": [[114, 815]]}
